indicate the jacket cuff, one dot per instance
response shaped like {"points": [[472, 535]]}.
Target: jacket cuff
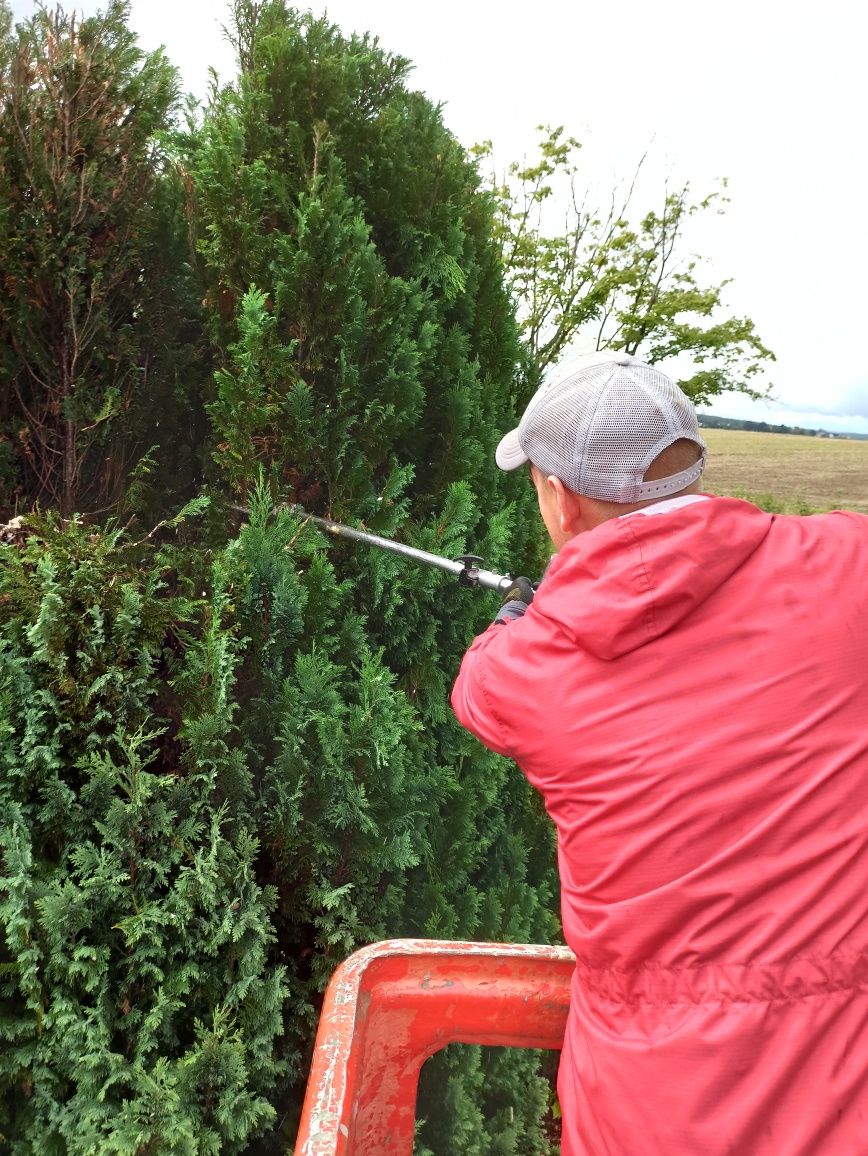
{"points": [[510, 611]]}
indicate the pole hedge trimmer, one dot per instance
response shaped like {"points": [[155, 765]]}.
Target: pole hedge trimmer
{"points": [[466, 567]]}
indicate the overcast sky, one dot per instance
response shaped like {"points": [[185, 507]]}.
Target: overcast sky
{"points": [[770, 95]]}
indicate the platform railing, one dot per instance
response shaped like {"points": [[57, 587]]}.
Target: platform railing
{"points": [[391, 1006]]}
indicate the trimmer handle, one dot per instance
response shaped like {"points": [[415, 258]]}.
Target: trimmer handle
{"points": [[473, 575]]}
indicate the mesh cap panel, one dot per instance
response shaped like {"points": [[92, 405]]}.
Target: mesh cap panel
{"points": [[599, 425]]}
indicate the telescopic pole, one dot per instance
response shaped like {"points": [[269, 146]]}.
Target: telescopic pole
{"points": [[465, 567]]}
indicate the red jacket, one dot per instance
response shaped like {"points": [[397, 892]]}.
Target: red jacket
{"points": [[689, 693]]}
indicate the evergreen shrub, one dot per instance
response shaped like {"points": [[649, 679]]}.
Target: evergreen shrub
{"points": [[227, 757], [102, 356], [368, 359], [139, 1000]]}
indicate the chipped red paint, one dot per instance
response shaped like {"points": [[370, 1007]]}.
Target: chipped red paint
{"points": [[392, 1005]]}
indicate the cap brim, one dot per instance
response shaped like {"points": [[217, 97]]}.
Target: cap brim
{"points": [[509, 455]]}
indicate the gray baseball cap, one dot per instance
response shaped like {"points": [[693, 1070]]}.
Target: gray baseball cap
{"points": [[598, 422]]}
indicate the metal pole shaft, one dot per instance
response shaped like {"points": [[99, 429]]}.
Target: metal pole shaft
{"points": [[341, 531], [470, 574]]}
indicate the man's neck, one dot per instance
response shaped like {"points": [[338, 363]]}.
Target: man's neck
{"points": [[667, 504]]}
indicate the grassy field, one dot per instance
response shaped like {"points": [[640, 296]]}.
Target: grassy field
{"points": [[786, 473]]}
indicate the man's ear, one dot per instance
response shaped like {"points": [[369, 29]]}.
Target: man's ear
{"points": [[571, 513]]}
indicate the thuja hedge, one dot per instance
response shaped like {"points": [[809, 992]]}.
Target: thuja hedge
{"points": [[226, 753], [140, 1005], [212, 790]]}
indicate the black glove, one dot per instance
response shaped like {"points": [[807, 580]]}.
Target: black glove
{"points": [[516, 600]]}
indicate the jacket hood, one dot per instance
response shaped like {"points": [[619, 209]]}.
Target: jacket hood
{"points": [[633, 578]]}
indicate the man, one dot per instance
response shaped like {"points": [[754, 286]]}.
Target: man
{"points": [[688, 690]]}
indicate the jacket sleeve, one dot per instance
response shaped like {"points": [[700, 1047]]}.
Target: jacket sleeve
{"points": [[478, 690]]}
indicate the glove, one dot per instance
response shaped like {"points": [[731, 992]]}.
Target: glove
{"points": [[516, 600]]}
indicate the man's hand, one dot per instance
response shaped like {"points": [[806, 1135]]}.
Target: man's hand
{"points": [[516, 600]]}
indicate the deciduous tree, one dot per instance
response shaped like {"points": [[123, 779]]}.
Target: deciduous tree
{"points": [[596, 278]]}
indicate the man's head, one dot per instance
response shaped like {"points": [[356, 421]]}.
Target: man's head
{"points": [[615, 433]]}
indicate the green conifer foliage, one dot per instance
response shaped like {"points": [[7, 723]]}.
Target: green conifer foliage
{"points": [[139, 1006], [226, 765], [367, 361], [98, 307]]}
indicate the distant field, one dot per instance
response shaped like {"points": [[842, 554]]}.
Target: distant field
{"points": [[798, 474]]}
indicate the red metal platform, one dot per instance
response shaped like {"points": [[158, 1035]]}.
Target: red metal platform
{"points": [[392, 1005]]}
